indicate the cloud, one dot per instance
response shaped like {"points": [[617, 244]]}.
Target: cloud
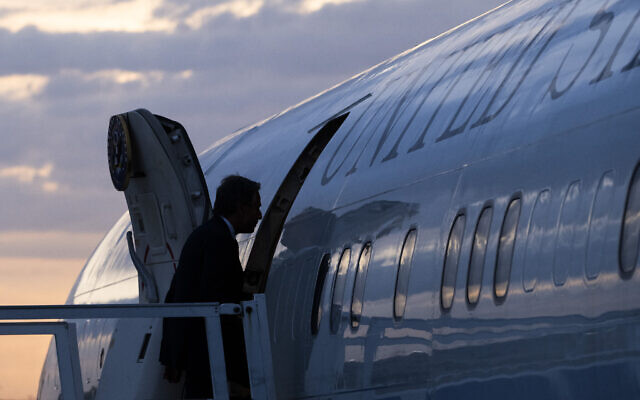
{"points": [[339, 37], [31, 175], [168, 16], [237, 8], [122, 77], [83, 16], [25, 173], [310, 6], [228, 73], [21, 87], [48, 243], [137, 15], [50, 186], [71, 208]]}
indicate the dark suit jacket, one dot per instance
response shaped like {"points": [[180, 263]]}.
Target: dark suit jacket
{"points": [[209, 271]]}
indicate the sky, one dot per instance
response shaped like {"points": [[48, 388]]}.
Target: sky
{"points": [[66, 66]]}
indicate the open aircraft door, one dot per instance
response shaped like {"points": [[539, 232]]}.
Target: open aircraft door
{"points": [[152, 160]]}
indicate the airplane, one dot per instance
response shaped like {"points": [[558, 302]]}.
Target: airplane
{"points": [[459, 221]]}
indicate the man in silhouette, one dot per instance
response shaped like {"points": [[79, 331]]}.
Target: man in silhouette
{"points": [[209, 271]]}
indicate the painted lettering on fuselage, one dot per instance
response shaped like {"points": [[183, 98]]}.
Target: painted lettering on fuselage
{"points": [[485, 77]]}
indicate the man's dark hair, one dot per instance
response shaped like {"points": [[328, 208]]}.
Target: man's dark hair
{"points": [[233, 191]]}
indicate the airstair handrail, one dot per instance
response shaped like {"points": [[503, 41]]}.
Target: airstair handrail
{"points": [[95, 311], [253, 313], [66, 349]]}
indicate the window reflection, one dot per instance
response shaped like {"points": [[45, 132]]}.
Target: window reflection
{"points": [[478, 252], [358, 285], [505, 249], [631, 226], [338, 290], [404, 270], [451, 262], [316, 311]]}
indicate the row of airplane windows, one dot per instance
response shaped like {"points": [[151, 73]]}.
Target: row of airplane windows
{"points": [[628, 257]]}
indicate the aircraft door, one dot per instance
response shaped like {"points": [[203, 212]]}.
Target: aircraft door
{"points": [[267, 236], [152, 161]]}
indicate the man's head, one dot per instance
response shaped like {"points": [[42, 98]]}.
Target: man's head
{"points": [[238, 200]]}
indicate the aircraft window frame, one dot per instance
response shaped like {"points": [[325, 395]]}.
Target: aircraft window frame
{"points": [[403, 273], [359, 283], [568, 236], [316, 307], [539, 249], [506, 247], [451, 261], [478, 256], [339, 284], [600, 224], [630, 230]]}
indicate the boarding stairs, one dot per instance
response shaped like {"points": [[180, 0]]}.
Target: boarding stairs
{"points": [[254, 319]]}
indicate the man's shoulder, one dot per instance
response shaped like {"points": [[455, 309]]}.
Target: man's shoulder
{"points": [[215, 227], [212, 236]]}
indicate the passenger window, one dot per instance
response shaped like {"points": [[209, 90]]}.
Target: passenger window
{"points": [[505, 249], [601, 227], [631, 226], [571, 237], [478, 252], [358, 285], [316, 311], [404, 270], [451, 258], [338, 290], [539, 248]]}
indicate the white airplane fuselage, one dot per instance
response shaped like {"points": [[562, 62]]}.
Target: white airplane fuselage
{"points": [[475, 214]]}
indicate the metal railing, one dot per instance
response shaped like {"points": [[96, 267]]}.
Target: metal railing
{"points": [[254, 319]]}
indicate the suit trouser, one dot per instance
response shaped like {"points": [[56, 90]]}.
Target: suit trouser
{"points": [[198, 373]]}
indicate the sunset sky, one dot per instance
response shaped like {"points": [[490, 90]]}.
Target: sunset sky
{"points": [[215, 66]]}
